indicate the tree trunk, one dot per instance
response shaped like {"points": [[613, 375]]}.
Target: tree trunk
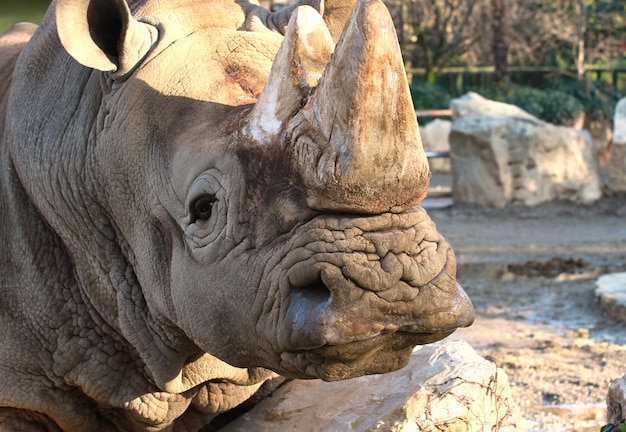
{"points": [[430, 75], [580, 45], [500, 41]]}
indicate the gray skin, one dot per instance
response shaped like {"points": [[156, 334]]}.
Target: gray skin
{"points": [[190, 208]]}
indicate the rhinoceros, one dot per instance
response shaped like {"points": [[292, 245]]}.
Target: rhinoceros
{"points": [[199, 195]]}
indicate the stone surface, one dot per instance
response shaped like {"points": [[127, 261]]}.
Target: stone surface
{"points": [[611, 290], [617, 164], [446, 386], [619, 122], [616, 401], [435, 137], [501, 155], [474, 103]]}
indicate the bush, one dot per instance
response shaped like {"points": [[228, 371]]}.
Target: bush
{"points": [[549, 105], [428, 96], [598, 100], [561, 108], [560, 104], [528, 99]]}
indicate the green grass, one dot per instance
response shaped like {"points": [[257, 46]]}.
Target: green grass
{"points": [[14, 11]]}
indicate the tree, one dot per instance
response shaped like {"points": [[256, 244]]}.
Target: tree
{"points": [[438, 33], [605, 29], [435, 34], [500, 40], [580, 15], [566, 33]]}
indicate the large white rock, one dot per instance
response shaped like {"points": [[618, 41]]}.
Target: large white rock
{"points": [[435, 137], [617, 164], [616, 401], [474, 103], [445, 387], [501, 155], [611, 290]]}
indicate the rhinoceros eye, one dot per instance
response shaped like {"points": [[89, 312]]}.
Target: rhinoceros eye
{"points": [[202, 207]]}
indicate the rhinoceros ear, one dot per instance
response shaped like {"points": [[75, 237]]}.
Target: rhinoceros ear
{"points": [[335, 13], [278, 20], [103, 35]]}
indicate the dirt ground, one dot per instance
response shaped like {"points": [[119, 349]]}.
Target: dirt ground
{"points": [[531, 274]]}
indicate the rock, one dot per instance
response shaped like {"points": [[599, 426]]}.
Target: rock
{"points": [[435, 137], [617, 164], [611, 290], [501, 155], [446, 386], [601, 132], [619, 128], [474, 103], [616, 401]]}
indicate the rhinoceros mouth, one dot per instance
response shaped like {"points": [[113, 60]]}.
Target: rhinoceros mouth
{"points": [[358, 294], [381, 354]]}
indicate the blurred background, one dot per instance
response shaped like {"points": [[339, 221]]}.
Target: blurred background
{"points": [[557, 59], [560, 60], [14, 11]]}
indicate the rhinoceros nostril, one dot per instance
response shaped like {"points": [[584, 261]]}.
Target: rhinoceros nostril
{"points": [[316, 293]]}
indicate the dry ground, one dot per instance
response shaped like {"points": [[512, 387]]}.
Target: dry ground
{"points": [[531, 274]]}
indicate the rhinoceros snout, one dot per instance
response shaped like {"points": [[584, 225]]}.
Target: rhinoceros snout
{"points": [[334, 309], [361, 290]]}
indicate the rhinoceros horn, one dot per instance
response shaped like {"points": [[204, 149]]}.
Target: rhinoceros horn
{"points": [[297, 68], [355, 142], [335, 13], [357, 138]]}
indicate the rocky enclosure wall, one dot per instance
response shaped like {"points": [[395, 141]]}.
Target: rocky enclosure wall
{"points": [[502, 155]]}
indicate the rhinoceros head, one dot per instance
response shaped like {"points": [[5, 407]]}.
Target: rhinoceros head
{"points": [[263, 174]]}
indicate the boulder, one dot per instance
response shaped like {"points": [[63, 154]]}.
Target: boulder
{"points": [[617, 164], [435, 137], [611, 291], [616, 401], [502, 155], [474, 103], [446, 386]]}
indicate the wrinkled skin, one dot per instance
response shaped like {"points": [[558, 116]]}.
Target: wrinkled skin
{"points": [[167, 248]]}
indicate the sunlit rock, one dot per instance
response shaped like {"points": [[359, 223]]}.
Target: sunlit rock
{"points": [[446, 386], [435, 137], [502, 155], [617, 165], [611, 291], [474, 103], [616, 401]]}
